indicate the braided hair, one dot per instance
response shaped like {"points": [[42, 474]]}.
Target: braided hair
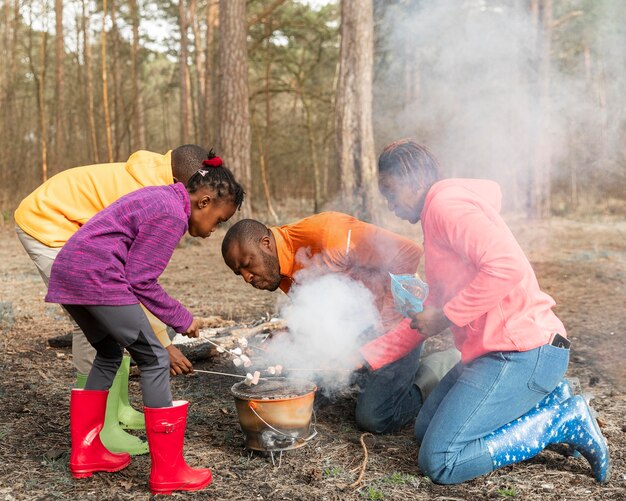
{"points": [[215, 176], [411, 161]]}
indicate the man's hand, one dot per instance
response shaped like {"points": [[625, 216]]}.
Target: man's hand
{"points": [[178, 362], [193, 329], [430, 322]]}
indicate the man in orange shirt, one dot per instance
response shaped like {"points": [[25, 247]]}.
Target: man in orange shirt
{"points": [[266, 258], [50, 215]]}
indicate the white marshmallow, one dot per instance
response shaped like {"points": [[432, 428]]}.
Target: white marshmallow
{"points": [[236, 351], [237, 362], [256, 377]]}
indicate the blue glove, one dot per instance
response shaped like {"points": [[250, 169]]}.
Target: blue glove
{"points": [[409, 293]]}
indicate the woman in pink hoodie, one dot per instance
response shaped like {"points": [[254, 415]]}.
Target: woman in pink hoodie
{"points": [[507, 399]]}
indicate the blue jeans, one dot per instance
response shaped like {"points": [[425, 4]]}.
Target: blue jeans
{"points": [[472, 401], [389, 398]]}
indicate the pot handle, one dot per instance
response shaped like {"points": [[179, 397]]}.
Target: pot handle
{"points": [[252, 405]]}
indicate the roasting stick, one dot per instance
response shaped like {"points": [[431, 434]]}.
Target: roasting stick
{"points": [[230, 351], [220, 346], [248, 378], [221, 373], [293, 369]]}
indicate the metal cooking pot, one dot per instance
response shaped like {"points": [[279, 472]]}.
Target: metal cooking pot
{"points": [[275, 415]]}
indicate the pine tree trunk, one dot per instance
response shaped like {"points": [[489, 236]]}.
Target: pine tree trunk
{"points": [[41, 99], [59, 88], [118, 122], [39, 76], [105, 90], [539, 193], [209, 80], [185, 127], [234, 122], [355, 136], [200, 72], [93, 140], [138, 121], [265, 163]]}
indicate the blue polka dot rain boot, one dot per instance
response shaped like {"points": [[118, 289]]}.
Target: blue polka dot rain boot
{"points": [[561, 393], [570, 422]]}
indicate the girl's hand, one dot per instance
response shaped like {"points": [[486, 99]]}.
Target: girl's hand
{"points": [[430, 322], [193, 329]]}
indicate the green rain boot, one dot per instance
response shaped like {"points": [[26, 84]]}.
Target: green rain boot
{"points": [[112, 436], [129, 418]]}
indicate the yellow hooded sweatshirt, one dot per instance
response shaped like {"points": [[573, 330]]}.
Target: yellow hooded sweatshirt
{"points": [[54, 211]]}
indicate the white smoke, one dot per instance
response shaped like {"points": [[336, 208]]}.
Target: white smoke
{"points": [[327, 316], [462, 77]]}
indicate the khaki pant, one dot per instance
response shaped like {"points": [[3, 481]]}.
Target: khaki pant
{"points": [[82, 352]]}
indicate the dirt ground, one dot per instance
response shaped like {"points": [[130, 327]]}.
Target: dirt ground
{"points": [[582, 264]]}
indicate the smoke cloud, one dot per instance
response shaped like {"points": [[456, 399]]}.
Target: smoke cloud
{"points": [[469, 79], [327, 316]]}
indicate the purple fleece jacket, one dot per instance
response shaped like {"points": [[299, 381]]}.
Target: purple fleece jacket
{"points": [[117, 257]]}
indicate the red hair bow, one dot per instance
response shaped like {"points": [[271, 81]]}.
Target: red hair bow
{"points": [[213, 162]]}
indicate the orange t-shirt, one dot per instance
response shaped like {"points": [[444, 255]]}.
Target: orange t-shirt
{"points": [[336, 242]]}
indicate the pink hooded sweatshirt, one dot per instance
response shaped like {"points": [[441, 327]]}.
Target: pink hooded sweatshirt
{"points": [[479, 275]]}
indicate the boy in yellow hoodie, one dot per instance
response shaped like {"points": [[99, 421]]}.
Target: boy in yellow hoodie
{"points": [[50, 215]]}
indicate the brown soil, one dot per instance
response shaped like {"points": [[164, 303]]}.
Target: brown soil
{"points": [[582, 264]]}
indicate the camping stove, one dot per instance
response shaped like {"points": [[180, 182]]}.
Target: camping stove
{"points": [[275, 415]]}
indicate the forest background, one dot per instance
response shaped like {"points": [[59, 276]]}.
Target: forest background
{"points": [[300, 96]]}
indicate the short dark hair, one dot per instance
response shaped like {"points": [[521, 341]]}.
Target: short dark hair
{"points": [[219, 179], [246, 230], [409, 160], [186, 160]]}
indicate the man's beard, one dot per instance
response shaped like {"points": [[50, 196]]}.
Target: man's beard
{"points": [[271, 264]]}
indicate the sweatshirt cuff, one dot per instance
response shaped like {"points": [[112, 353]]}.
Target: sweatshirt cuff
{"points": [[163, 338], [391, 346]]}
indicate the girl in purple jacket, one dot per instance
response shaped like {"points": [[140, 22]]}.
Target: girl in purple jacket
{"points": [[103, 273]]}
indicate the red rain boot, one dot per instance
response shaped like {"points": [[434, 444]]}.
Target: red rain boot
{"points": [[87, 409], [165, 428]]}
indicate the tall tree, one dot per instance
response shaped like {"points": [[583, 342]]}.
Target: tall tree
{"points": [[59, 85], [9, 117], [119, 126], [234, 123], [39, 76], [138, 111], [91, 116], [264, 138], [185, 115], [539, 186], [199, 100], [212, 20], [355, 136], [105, 86]]}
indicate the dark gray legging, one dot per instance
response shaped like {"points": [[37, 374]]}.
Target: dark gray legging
{"points": [[110, 329]]}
